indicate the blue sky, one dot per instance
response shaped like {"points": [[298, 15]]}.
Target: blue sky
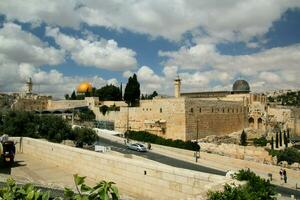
{"points": [[209, 44]]}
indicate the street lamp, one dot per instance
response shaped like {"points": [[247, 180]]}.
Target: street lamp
{"points": [[197, 153]]}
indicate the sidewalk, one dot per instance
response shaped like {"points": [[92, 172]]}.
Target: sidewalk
{"points": [[226, 163]]}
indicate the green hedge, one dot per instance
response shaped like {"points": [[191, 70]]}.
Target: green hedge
{"points": [[290, 155], [260, 142], [148, 137]]}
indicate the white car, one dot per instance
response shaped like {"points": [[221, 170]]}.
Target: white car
{"points": [[137, 147]]}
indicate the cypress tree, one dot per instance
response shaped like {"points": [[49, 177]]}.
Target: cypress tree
{"points": [[276, 141], [285, 140], [272, 143], [73, 96], [132, 91], [243, 140], [280, 138]]}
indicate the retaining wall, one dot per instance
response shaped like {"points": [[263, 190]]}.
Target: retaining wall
{"points": [[140, 179]]}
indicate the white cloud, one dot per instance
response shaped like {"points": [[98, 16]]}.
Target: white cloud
{"points": [[100, 53], [21, 55], [221, 21], [277, 65], [23, 47]]}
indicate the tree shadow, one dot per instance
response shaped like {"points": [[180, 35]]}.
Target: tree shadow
{"points": [[5, 168]]}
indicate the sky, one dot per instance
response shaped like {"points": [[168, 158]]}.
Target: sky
{"points": [[208, 43]]}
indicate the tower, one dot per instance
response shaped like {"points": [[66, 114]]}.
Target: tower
{"points": [[177, 84], [29, 85]]}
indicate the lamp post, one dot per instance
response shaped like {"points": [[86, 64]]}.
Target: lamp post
{"points": [[196, 153]]}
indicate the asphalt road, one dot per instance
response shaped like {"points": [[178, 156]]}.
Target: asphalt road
{"points": [[115, 146], [160, 158]]}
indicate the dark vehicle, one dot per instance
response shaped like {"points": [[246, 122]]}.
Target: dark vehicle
{"points": [[8, 153]]}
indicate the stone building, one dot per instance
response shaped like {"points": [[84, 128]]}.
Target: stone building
{"points": [[187, 116]]}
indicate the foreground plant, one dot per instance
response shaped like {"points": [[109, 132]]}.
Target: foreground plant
{"points": [[256, 188], [102, 191]]}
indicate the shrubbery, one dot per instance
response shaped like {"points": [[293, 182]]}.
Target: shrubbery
{"points": [[256, 188], [52, 128], [148, 137], [102, 191], [290, 155], [261, 142]]}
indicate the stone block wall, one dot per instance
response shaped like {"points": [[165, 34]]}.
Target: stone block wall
{"points": [[140, 179], [213, 117], [251, 153]]}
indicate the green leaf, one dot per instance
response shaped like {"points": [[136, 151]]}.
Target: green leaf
{"points": [[68, 193], [46, 196], [78, 179], [30, 195], [85, 188]]}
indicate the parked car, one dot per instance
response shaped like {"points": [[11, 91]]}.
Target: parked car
{"points": [[137, 147], [8, 152]]}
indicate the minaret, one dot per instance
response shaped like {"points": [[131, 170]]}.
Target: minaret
{"points": [[29, 86], [177, 83]]}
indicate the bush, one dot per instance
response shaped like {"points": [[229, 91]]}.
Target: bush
{"points": [[103, 191], [261, 142], [84, 136], [290, 155], [255, 188], [103, 109], [148, 137]]}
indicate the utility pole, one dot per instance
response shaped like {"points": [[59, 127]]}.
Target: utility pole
{"points": [[196, 153]]}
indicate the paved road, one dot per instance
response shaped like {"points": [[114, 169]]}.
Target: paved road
{"points": [[182, 164], [160, 158]]}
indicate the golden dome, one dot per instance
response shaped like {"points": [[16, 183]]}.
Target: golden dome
{"points": [[84, 87]]}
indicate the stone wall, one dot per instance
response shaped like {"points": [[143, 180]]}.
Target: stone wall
{"points": [[251, 153], [65, 104], [177, 118], [141, 179], [213, 117]]}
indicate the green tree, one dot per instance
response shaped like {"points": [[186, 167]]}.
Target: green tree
{"points": [[285, 140], [132, 91], [53, 128], [67, 96], [243, 139], [276, 140], [272, 143], [84, 136], [109, 93], [19, 123], [73, 96], [280, 138]]}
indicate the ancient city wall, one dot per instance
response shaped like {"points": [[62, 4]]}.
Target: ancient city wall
{"points": [[164, 117], [213, 117], [65, 104], [140, 179]]}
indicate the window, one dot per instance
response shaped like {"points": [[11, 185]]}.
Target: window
{"points": [[223, 110], [160, 110], [192, 110], [199, 109], [212, 110]]}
